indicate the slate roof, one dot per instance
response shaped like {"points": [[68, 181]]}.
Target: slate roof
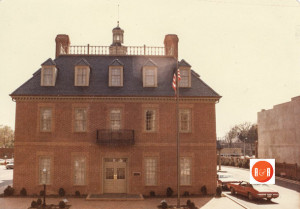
{"points": [[98, 86]]}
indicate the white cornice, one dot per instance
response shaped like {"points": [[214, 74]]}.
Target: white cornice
{"points": [[115, 99]]}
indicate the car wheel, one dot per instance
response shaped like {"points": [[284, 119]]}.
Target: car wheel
{"points": [[250, 196], [232, 191]]}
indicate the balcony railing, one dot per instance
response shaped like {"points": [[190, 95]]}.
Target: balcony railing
{"points": [[115, 137], [105, 50]]}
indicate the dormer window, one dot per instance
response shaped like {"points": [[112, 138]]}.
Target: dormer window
{"points": [[185, 74], [116, 74], [82, 73], [150, 74], [48, 73]]}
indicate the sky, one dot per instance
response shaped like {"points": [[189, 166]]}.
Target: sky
{"points": [[246, 50]]}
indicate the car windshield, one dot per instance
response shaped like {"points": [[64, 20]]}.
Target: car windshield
{"points": [[225, 176]]}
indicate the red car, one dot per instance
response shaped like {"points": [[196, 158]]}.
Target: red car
{"points": [[225, 179], [255, 191]]}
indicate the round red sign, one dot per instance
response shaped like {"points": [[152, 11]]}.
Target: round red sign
{"points": [[262, 171]]}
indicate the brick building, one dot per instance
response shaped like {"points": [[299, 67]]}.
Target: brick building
{"points": [[101, 119]]}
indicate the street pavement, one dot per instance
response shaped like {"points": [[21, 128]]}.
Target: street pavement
{"points": [[289, 192], [6, 176]]}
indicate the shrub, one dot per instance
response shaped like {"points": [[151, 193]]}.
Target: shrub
{"points": [[186, 194], [42, 192], [192, 206], [77, 193], [39, 201], [62, 204], [9, 191], [219, 191], [164, 205], [23, 192], [169, 192], [152, 194], [61, 192], [204, 190], [188, 203], [33, 204]]}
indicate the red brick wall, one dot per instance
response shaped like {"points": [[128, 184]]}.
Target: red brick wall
{"points": [[62, 143]]}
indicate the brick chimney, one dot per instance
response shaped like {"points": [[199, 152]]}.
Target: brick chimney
{"points": [[171, 45], [62, 44]]}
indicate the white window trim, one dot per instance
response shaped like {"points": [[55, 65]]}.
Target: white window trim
{"points": [[41, 119], [48, 175], [156, 171], [87, 79], [190, 171], [110, 84], [145, 68], [54, 75], [154, 120], [189, 76], [110, 119], [188, 111], [75, 120], [74, 170]]}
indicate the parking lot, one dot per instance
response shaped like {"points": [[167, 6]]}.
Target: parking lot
{"points": [[6, 176]]}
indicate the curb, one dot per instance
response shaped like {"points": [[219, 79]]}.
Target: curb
{"points": [[237, 202]]}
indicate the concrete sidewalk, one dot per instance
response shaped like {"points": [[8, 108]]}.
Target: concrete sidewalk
{"points": [[148, 203]]}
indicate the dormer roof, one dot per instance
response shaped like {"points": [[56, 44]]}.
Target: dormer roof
{"points": [[83, 62], [49, 62], [184, 63], [116, 62], [150, 62]]}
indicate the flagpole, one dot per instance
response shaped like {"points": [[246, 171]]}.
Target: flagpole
{"points": [[178, 138]]}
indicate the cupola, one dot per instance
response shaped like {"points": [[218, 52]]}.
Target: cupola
{"points": [[116, 47]]}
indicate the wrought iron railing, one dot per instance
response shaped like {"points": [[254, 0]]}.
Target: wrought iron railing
{"points": [[105, 50], [115, 137]]}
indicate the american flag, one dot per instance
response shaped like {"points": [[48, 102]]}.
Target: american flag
{"points": [[174, 79]]}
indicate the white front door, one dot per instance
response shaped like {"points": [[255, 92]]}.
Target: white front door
{"points": [[115, 175]]}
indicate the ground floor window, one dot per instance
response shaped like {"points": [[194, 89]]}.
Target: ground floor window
{"points": [[79, 171], [151, 171], [185, 171], [44, 170]]}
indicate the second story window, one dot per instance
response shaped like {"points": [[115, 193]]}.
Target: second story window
{"points": [[46, 119], [80, 119], [115, 73], [185, 74], [185, 78], [115, 119], [82, 76], [48, 73], [185, 120], [150, 77], [150, 120], [82, 73], [116, 76]]}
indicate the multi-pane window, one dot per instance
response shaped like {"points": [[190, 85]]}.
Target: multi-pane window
{"points": [[150, 120], [115, 77], [150, 78], [46, 119], [185, 171], [184, 120], [79, 171], [115, 119], [151, 171], [81, 77], [185, 78], [80, 119], [48, 76], [44, 170]]}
